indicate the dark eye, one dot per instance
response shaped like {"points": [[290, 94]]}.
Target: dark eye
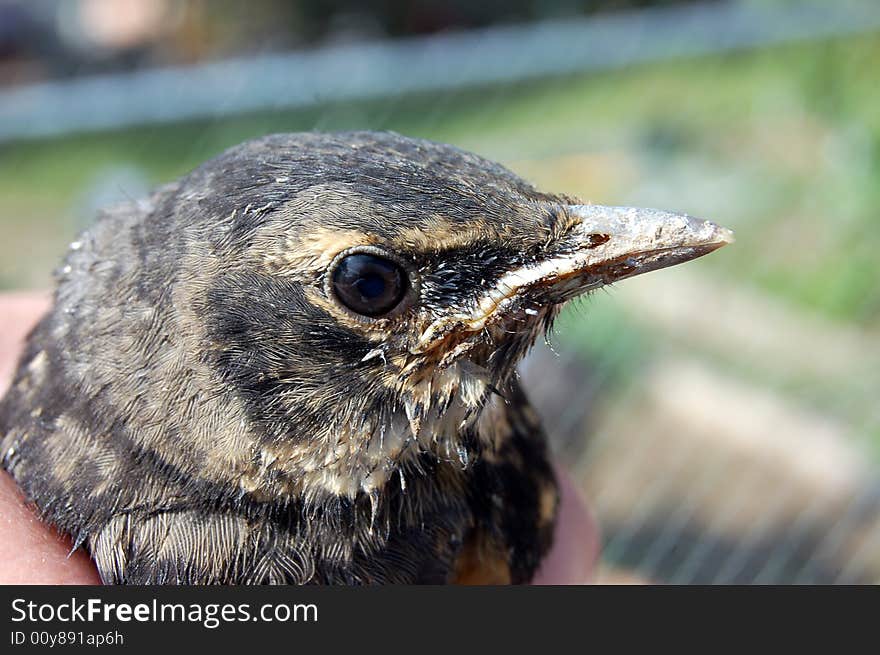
{"points": [[368, 284]]}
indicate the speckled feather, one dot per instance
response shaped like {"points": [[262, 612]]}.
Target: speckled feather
{"points": [[196, 409]]}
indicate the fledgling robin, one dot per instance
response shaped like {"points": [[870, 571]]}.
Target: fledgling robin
{"points": [[296, 365]]}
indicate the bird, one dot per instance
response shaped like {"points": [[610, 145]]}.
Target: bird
{"points": [[297, 365]]}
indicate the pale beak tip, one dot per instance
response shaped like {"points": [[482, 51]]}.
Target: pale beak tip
{"points": [[718, 234], [727, 236]]}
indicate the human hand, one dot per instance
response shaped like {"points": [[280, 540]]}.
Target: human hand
{"points": [[32, 552]]}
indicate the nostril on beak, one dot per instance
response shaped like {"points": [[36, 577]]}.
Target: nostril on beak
{"points": [[596, 239]]}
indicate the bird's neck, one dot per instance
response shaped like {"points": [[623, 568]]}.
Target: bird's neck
{"points": [[450, 419]]}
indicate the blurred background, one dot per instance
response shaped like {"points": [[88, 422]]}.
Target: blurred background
{"points": [[722, 417]]}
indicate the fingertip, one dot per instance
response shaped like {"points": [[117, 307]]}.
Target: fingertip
{"points": [[31, 551], [19, 312], [576, 545]]}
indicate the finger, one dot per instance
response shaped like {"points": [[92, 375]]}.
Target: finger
{"points": [[31, 552], [575, 551], [19, 312]]}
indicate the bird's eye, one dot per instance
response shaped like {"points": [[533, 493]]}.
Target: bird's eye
{"points": [[369, 284]]}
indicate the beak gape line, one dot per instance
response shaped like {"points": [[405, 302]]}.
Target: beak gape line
{"points": [[607, 245]]}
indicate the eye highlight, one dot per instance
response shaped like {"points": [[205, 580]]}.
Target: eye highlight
{"points": [[369, 284]]}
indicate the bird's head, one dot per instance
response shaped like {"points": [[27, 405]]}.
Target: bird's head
{"points": [[367, 294]]}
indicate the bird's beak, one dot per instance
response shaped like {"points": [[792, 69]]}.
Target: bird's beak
{"points": [[606, 244], [613, 243]]}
